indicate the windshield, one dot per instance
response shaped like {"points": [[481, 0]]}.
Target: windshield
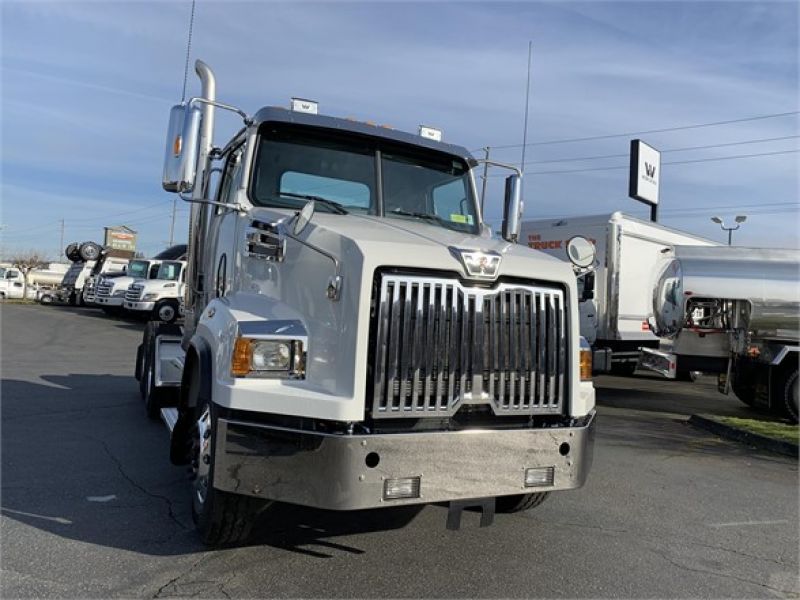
{"points": [[138, 269], [340, 172], [170, 271]]}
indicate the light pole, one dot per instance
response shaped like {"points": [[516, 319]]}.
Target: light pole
{"points": [[739, 220]]}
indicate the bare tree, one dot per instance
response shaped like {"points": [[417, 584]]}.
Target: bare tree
{"points": [[27, 262]]}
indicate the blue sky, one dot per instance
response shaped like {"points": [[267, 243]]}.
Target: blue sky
{"points": [[86, 89]]}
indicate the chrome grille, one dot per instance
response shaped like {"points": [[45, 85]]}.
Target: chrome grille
{"points": [[134, 293], [104, 288], [439, 345]]}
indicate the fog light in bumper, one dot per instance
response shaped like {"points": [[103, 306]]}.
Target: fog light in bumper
{"points": [[403, 487], [539, 476]]}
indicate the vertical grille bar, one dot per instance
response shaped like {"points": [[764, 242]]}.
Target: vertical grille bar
{"points": [[430, 348]]}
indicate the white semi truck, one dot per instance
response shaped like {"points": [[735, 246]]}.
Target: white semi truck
{"points": [[733, 311], [355, 337], [159, 296], [111, 290], [615, 299], [12, 285]]}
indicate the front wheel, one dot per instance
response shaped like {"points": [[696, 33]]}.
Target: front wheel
{"points": [[221, 518], [519, 502], [166, 311], [46, 299]]}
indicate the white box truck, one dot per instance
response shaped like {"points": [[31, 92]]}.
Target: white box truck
{"points": [[616, 300]]}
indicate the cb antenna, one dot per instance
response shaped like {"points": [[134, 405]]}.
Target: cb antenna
{"points": [[188, 50], [527, 104]]}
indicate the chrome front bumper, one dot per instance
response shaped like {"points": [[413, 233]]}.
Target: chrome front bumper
{"points": [[331, 472], [139, 305]]}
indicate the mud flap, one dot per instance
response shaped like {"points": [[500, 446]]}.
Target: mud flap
{"points": [[457, 507]]}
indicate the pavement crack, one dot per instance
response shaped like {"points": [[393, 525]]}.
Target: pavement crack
{"points": [[740, 553], [175, 580], [145, 491], [673, 562]]}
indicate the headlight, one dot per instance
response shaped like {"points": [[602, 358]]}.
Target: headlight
{"points": [[585, 360], [150, 297], [268, 358], [119, 293]]}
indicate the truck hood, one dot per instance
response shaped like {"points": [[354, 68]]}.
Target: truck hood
{"points": [[413, 243]]}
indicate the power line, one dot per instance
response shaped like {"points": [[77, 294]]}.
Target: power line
{"points": [[676, 162], [725, 145], [648, 131]]}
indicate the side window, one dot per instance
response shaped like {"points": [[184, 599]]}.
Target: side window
{"points": [[450, 202], [12, 275]]}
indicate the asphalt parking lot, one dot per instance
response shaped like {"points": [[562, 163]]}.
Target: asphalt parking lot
{"points": [[91, 506]]}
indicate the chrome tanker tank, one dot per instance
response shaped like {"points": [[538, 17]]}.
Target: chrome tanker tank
{"points": [[723, 288]]}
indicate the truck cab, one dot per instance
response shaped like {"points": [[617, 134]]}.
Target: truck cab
{"points": [[355, 335], [160, 295], [12, 283], [111, 291]]}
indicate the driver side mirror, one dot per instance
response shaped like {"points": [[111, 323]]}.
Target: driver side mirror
{"points": [[182, 148]]}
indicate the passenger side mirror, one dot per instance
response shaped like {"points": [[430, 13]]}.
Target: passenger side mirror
{"points": [[512, 209], [302, 218], [581, 252], [182, 148]]}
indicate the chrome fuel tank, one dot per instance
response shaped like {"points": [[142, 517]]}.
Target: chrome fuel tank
{"points": [[722, 287]]}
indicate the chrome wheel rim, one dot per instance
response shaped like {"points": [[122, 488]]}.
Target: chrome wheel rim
{"points": [[148, 382], [202, 455]]}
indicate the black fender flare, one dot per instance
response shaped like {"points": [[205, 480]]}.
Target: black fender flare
{"points": [[198, 356]]}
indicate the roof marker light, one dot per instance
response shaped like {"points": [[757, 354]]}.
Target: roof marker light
{"points": [[305, 106], [430, 133]]}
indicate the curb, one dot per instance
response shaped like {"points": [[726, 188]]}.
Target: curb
{"points": [[746, 437]]}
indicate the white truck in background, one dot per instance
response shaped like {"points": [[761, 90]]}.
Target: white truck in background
{"points": [[160, 296], [355, 336], [732, 311], [12, 285], [111, 290], [615, 299]]}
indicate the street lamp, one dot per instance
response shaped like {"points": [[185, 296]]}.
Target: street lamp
{"points": [[739, 220]]}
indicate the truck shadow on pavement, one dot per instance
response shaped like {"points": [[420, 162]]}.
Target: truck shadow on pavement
{"points": [[81, 461], [122, 321]]}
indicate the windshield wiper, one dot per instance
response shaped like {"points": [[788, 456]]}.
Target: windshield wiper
{"points": [[419, 215], [334, 206]]}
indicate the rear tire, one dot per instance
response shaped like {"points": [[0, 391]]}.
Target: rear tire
{"points": [[45, 299], [147, 384], [221, 518], [519, 502]]}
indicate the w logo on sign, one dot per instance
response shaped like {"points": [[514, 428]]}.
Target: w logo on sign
{"points": [[650, 169]]}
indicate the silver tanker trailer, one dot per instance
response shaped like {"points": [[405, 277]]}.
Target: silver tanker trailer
{"points": [[735, 312]]}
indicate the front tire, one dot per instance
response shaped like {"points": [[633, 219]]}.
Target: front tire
{"points": [[519, 502], [625, 369], [166, 311], [221, 518]]}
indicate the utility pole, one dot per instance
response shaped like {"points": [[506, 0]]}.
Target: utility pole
{"points": [[172, 224], [485, 177]]}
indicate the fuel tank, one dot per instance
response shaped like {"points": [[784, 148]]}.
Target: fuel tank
{"points": [[725, 288]]}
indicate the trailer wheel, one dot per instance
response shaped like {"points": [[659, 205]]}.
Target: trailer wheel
{"points": [[221, 518], [790, 389], [166, 311], [519, 502]]}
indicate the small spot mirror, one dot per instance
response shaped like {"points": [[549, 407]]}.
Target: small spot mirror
{"points": [[303, 218], [581, 252]]}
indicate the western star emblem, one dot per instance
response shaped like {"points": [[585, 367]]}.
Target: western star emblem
{"points": [[478, 264]]}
